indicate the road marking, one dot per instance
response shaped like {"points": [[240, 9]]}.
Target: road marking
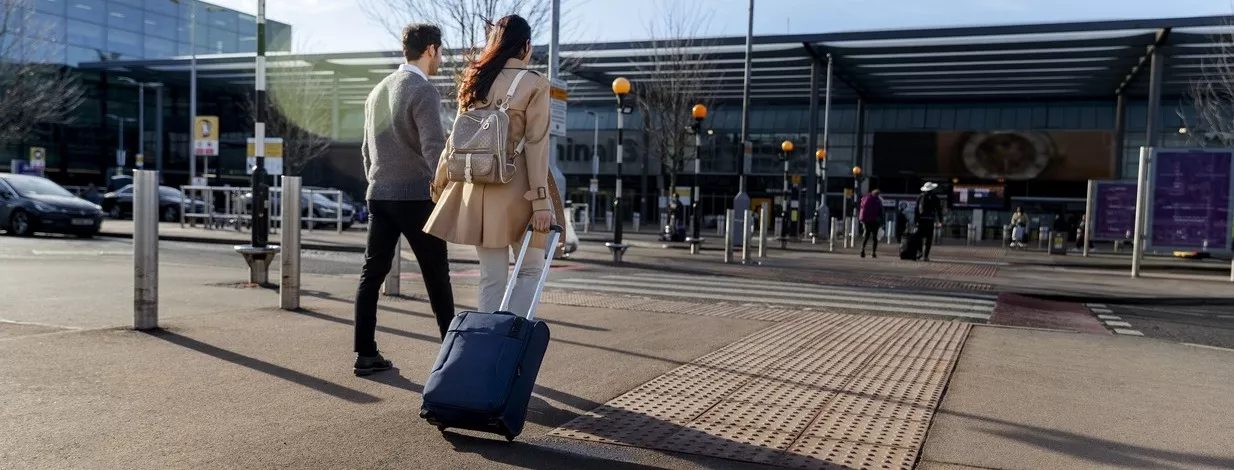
{"points": [[1096, 305], [743, 291], [1109, 317], [1105, 311], [794, 288], [1127, 332], [1120, 324], [80, 253], [1205, 346]]}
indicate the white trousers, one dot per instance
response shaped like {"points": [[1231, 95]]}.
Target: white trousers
{"points": [[495, 271]]}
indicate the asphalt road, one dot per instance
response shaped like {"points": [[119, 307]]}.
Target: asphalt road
{"points": [[1205, 325]]}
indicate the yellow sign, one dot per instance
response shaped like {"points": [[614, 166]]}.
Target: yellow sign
{"points": [[141, 161], [38, 158], [274, 147], [206, 135], [796, 179], [848, 192], [558, 93], [273, 156]]}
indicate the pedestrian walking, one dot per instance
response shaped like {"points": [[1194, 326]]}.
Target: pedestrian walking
{"points": [[871, 217], [929, 213], [1019, 228], [494, 216], [403, 139]]}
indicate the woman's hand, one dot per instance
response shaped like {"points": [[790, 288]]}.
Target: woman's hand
{"points": [[541, 221]]}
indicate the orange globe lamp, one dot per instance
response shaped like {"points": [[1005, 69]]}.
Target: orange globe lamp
{"points": [[621, 86], [699, 112], [786, 146]]}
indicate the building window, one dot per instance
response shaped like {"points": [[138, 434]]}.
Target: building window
{"points": [[124, 17], [228, 20], [165, 7], [49, 27], [221, 41], [161, 26], [55, 7], [85, 34], [157, 48], [88, 10], [130, 45], [77, 55]]}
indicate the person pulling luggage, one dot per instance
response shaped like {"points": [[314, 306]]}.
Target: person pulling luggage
{"points": [[929, 213], [871, 217]]}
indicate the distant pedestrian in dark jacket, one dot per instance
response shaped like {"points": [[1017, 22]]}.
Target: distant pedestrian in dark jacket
{"points": [[871, 217], [929, 213]]}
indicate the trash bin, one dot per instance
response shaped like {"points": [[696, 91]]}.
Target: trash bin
{"points": [[1058, 243]]}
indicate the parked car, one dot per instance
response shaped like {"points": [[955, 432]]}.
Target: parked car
{"points": [[119, 204], [30, 204], [361, 214]]}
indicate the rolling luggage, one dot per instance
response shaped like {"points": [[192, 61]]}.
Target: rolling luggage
{"points": [[910, 247], [489, 361]]}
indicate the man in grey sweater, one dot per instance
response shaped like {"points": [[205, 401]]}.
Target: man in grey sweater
{"points": [[403, 139]]}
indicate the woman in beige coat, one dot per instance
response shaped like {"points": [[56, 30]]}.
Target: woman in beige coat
{"points": [[494, 217]]}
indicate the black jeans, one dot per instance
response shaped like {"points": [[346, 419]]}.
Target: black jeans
{"points": [[387, 221], [925, 225], [871, 229]]}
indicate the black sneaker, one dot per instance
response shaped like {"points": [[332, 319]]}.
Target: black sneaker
{"points": [[367, 365]]}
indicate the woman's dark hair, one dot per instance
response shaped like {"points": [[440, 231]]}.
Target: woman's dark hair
{"points": [[507, 39]]}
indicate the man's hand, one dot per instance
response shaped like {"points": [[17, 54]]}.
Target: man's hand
{"points": [[541, 221]]}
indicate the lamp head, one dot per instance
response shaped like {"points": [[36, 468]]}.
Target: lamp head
{"points": [[856, 171], [820, 154], [699, 112], [621, 86], [786, 146]]}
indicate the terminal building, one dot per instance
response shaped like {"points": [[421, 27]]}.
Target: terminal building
{"points": [[1009, 116]]}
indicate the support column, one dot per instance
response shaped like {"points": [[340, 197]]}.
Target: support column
{"points": [[1120, 132], [158, 130], [334, 111], [811, 147], [859, 150], [1153, 129]]}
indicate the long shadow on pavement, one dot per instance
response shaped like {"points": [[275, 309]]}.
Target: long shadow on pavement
{"points": [[523, 455], [328, 296], [300, 378], [1095, 449]]}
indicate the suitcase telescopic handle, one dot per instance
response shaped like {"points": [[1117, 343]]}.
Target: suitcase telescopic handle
{"points": [[555, 232]]}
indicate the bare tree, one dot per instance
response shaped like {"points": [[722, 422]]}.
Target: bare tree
{"points": [[36, 88], [670, 82], [1212, 96], [301, 113]]}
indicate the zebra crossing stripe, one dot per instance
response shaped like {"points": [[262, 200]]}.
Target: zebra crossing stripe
{"points": [[794, 289], [872, 303]]}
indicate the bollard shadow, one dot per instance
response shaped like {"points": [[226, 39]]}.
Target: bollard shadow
{"points": [[299, 378], [1095, 449], [461, 307], [532, 456]]}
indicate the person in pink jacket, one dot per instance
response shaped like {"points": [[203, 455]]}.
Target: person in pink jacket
{"points": [[871, 217]]}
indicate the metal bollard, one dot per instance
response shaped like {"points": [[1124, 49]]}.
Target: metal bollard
{"points": [[338, 214], [145, 249], [183, 196], [1043, 238], [746, 230], [728, 242], [831, 235], [638, 218], [289, 273], [391, 286], [968, 235], [762, 230]]}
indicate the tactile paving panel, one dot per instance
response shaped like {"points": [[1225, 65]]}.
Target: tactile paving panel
{"points": [[820, 391]]}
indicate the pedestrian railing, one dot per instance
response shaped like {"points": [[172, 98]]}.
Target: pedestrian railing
{"points": [[232, 207]]}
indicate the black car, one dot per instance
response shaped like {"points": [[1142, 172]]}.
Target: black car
{"points": [[30, 204], [119, 203]]}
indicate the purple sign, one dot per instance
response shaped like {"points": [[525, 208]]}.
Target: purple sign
{"points": [[1191, 199], [1113, 209]]}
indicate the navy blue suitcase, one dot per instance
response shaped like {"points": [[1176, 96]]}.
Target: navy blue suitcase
{"points": [[488, 363]]}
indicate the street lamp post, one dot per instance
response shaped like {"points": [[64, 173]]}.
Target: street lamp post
{"points": [[786, 148], [141, 114], [120, 142], [595, 168], [700, 113], [856, 204], [193, 79], [820, 216], [621, 87]]}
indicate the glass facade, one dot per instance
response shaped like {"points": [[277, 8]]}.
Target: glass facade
{"points": [[76, 31]]}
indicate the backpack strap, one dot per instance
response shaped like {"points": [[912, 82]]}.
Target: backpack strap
{"points": [[505, 104]]}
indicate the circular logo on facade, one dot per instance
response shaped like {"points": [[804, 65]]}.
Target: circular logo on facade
{"points": [[1010, 155]]}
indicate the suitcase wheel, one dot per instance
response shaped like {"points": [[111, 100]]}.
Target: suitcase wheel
{"points": [[509, 438], [441, 428]]}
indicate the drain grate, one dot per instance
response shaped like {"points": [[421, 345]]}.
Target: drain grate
{"points": [[819, 391]]}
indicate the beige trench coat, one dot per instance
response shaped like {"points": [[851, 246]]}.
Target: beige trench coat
{"points": [[496, 215]]}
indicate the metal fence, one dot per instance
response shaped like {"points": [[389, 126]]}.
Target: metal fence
{"points": [[230, 207]]}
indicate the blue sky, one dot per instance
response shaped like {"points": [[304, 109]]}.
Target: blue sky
{"points": [[340, 25]]}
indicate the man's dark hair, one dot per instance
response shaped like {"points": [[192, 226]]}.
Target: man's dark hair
{"points": [[417, 37]]}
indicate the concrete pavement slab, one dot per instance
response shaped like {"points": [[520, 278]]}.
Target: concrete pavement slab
{"points": [[273, 389], [1023, 399], [1018, 310]]}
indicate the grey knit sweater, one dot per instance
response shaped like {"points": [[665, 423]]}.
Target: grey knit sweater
{"points": [[403, 138]]}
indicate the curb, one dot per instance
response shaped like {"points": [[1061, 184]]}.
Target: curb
{"points": [[1117, 300], [303, 246]]}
